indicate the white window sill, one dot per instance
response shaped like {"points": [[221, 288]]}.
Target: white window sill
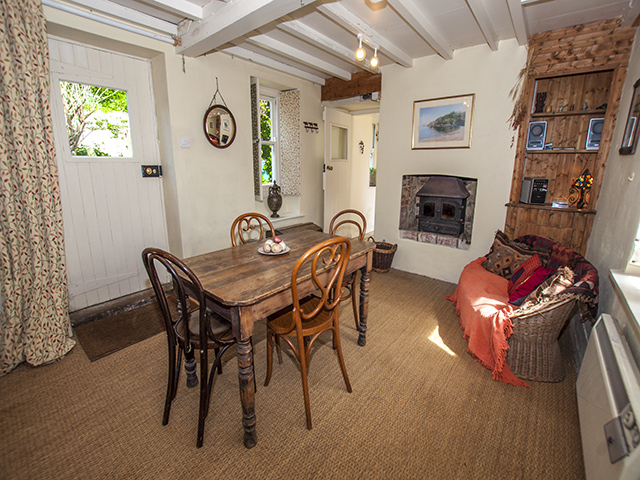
{"points": [[627, 286], [285, 217]]}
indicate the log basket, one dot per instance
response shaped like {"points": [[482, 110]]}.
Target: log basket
{"points": [[383, 256]]}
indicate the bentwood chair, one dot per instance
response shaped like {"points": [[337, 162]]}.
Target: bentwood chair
{"points": [[301, 324], [189, 326], [247, 225], [352, 219]]}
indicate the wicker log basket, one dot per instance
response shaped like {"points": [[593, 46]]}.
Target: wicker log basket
{"points": [[383, 256]]}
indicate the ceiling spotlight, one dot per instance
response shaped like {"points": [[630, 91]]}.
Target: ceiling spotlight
{"points": [[360, 53], [374, 60]]}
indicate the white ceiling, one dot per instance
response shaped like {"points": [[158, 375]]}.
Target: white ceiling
{"points": [[316, 39]]}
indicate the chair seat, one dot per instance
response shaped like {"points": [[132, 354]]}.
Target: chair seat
{"points": [[284, 324], [221, 329]]}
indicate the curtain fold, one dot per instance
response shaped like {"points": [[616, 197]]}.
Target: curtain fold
{"points": [[255, 138], [290, 125], [34, 316]]}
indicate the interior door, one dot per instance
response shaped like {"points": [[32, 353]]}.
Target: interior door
{"points": [[337, 164], [110, 212]]}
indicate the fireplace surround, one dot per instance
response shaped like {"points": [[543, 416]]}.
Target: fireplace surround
{"points": [[438, 209]]}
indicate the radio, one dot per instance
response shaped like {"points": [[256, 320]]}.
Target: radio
{"points": [[534, 190]]}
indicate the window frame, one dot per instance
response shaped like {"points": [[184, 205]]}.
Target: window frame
{"points": [[273, 96]]}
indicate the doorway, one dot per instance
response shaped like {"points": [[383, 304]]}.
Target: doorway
{"points": [[110, 212], [351, 145]]}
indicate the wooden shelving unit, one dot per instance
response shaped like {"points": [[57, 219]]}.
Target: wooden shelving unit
{"points": [[574, 66]]}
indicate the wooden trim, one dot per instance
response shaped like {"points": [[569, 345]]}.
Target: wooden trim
{"points": [[361, 83]]}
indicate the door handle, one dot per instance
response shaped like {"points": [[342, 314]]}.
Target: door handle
{"points": [[328, 167]]}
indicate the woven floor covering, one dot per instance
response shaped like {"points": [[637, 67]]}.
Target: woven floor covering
{"points": [[421, 408]]}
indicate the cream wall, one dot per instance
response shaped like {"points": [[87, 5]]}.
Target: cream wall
{"points": [[490, 76], [206, 188], [615, 226], [363, 196]]}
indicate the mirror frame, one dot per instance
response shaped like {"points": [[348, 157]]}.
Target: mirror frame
{"points": [[233, 125], [630, 136]]}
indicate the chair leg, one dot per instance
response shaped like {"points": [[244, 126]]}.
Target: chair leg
{"points": [[341, 358], [190, 368], [172, 381], [269, 357], [204, 398], [354, 304], [278, 349], [305, 382]]}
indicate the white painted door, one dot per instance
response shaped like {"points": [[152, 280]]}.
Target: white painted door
{"points": [[337, 164], [110, 212]]}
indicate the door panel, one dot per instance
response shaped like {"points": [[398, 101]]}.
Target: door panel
{"points": [[110, 212], [337, 172]]}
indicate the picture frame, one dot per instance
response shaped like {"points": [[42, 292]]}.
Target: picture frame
{"points": [[442, 122], [630, 137]]}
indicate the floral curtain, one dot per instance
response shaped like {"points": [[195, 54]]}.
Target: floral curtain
{"points": [[290, 142], [34, 316]]}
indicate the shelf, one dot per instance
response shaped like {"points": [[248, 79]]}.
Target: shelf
{"points": [[548, 206], [536, 152], [569, 114]]}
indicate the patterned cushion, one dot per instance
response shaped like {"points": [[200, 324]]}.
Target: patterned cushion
{"points": [[506, 256], [524, 272], [555, 284], [522, 291]]}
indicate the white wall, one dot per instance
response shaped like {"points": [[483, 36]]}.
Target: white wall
{"points": [[205, 187], [490, 75], [363, 196], [615, 226]]}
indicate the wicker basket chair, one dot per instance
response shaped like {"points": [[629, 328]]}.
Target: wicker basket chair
{"points": [[534, 351]]}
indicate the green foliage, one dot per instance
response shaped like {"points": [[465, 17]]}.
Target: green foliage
{"points": [[90, 151], [266, 135], [81, 102], [450, 121]]}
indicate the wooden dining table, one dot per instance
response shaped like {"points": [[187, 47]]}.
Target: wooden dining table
{"points": [[244, 286]]}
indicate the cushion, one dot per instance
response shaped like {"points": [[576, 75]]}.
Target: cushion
{"points": [[553, 285], [524, 272], [523, 289], [506, 256]]}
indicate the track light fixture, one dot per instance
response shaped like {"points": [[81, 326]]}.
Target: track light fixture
{"points": [[361, 53], [374, 60]]}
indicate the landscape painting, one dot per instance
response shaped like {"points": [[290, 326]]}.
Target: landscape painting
{"points": [[442, 122]]}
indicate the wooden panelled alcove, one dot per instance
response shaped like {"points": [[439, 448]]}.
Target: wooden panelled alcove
{"points": [[575, 66]]}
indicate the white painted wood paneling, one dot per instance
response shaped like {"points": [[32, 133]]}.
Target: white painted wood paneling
{"points": [[110, 212]]}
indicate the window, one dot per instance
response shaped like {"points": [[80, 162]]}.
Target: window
{"points": [[269, 136], [97, 120]]}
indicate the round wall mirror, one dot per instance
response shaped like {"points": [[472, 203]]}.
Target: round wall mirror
{"points": [[219, 126]]}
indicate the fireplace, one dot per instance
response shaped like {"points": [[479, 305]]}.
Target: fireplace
{"points": [[438, 209], [442, 203]]}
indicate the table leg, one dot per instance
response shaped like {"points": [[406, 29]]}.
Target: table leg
{"points": [[247, 392], [364, 305]]}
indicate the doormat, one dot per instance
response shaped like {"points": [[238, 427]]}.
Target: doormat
{"points": [[102, 337]]}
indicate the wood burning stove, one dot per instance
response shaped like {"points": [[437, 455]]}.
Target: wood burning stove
{"points": [[442, 203]]}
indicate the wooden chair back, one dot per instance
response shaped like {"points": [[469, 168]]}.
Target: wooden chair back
{"points": [[247, 225], [349, 216]]}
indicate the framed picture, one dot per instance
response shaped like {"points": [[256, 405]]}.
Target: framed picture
{"points": [[442, 122], [630, 138]]}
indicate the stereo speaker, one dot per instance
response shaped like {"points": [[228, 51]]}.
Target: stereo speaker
{"points": [[535, 138], [595, 133]]}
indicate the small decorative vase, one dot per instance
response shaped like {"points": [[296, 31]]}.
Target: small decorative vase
{"points": [[274, 200]]}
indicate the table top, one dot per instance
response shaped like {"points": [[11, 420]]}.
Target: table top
{"points": [[240, 276]]}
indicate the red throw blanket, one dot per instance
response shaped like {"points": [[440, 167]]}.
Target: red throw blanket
{"points": [[482, 302]]}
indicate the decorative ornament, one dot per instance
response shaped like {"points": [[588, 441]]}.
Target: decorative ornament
{"points": [[579, 189], [274, 200]]}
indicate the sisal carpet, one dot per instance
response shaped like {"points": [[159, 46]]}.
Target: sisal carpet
{"points": [[102, 337], [421, 408]]}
